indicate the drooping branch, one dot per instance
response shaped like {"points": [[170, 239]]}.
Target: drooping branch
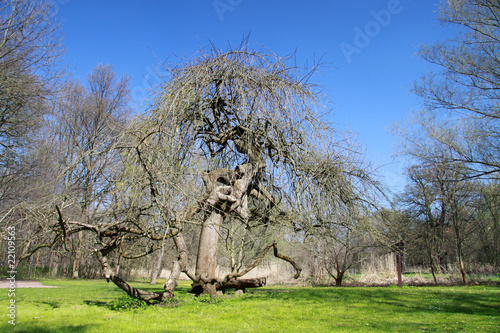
{"points": [[114, 230], [249, 268], [110, 275], [28, 254], [140, 255], [232, 276], [298, 270]]}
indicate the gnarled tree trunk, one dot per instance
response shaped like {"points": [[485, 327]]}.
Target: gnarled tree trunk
{"points": [[227, 192]]}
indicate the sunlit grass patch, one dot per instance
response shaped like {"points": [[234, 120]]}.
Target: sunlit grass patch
{"points": [[87, 306]]}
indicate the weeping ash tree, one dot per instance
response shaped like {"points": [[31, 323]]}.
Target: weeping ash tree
{"points": [[243, 122], [237, 137]]}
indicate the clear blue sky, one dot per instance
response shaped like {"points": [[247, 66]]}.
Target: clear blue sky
{"points": [[367, 79]]}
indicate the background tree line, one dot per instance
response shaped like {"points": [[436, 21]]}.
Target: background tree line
{"points": [[233, 159]]}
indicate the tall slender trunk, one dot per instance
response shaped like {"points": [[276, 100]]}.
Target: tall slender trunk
{"points": [[461, 266], [398, 248], [77, 257], [462, 269], [76, 268], [399, 268], [181, 263], [457, 225], [433, 270], [431, 262], [54, 264], [156, 270]]}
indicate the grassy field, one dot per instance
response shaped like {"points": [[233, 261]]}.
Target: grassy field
{"points": [[96, 306]]}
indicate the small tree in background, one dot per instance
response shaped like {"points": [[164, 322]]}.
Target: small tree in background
{"points": [[337, 197]]}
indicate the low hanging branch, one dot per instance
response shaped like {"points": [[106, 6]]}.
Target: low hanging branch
{"points": [[110, 275], [298, 270], [115, 233], [231, 277], [61, 235]]}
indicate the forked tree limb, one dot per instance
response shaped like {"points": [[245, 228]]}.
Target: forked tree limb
{"points": [[249, 268], [26, 254], [232, 276], [110, 275]]}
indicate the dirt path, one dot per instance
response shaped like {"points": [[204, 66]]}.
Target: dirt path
{"points": [[24, 284]]}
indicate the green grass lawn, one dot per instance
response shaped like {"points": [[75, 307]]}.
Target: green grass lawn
{"points": [[96, 306]]}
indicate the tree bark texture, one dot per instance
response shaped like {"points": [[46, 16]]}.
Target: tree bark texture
{"points": [[399, 268], [76, 259], [339, 278], [206, 262], [243, 284]]}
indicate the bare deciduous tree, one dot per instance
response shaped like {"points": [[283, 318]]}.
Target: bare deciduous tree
{"points": [[87, 124], [30, 47], [444, 204], [243, 116], [461, 101]]}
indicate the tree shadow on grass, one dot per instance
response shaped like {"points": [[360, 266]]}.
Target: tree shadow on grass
{"points": [[129, 303], [53, 304], [470, 304], [96, 303], [64, 329], [459, 302]]}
